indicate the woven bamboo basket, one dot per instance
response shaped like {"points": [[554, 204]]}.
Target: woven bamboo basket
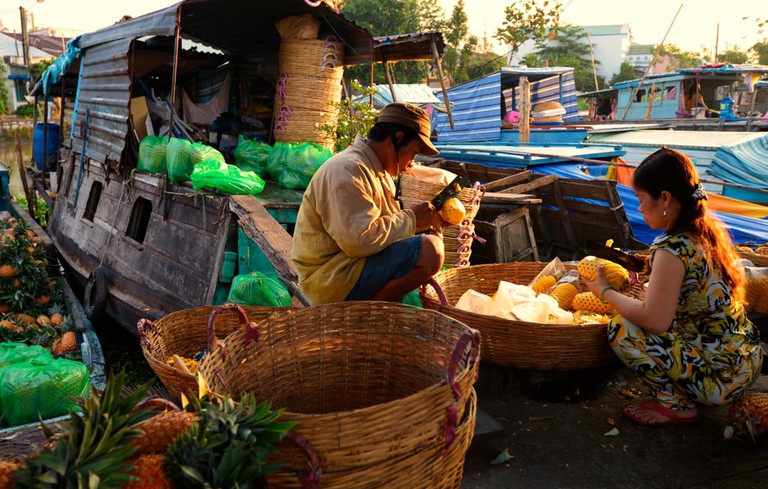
{"points": [[185, 333], [456, 239], [519, 344], [370, 384], [757, 259]]}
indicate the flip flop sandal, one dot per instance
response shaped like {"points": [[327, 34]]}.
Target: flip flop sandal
{"points": [[672, 417]]}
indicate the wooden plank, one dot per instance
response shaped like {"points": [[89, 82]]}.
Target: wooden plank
{"points": [[524, 176], [509, 199], [527, 187], [269, 235]]}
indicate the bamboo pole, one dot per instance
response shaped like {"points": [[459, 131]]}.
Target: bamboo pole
{"points": [[592, 54], [525, 110], [23, 176], [442, 83]]}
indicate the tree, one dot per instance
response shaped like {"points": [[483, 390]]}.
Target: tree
{"points": [[3, 88], [732, 56], [626, 72], [761, 52], [525, 19], [459, 48], [679, 58], [568, 47]]}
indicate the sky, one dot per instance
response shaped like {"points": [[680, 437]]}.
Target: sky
{"points": [[695, 26]]}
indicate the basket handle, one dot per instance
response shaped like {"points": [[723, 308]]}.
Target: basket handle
{"points": [[468, 340], [143, 326], [251, 329], [312, 479], [438, 290]]}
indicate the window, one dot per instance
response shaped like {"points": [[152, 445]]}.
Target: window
{"points": [[137, 226], [93, 201], [640, 96]]}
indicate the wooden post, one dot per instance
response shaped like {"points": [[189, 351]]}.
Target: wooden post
{"points": [[23, 176], [442, 83], [592, 54], [525, 110], [174, 73], [651, 95], [385, 65]]}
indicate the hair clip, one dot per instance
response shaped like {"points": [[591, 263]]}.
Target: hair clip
{"points": [[699, 193]]}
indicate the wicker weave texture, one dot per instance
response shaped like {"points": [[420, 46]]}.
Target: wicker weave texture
{"points": [[185, 333], [457, 239], [756, 258], [364, 380], [520, 344]]}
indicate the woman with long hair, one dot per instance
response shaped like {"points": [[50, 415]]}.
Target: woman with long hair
{"points": [[689, 340]]}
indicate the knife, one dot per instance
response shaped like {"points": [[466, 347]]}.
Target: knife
{"points": [[451, 190], [630, 262]]}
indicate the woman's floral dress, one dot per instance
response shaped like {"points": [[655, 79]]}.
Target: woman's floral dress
{"points": [[712, 352]]}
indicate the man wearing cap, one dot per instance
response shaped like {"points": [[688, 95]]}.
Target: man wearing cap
{"points": [[352, 241]]}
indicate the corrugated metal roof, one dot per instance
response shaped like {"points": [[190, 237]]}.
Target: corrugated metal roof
{"points": [[606, 30], [9, 46], [416, 46]]}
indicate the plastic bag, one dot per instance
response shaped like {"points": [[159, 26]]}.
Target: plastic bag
{"points": [[199, 152], [13, 352], [41, 388], [429, 174], [177, 154], [412, 298], [548, 277], [276, 160], [473, 301], [258, 289], [229, 179], [252, 155], [301, 163], [152, 155]]}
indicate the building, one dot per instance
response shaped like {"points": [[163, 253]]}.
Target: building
{"points": [[17, 80]]}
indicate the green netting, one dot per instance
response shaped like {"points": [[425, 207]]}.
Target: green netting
{"points": [[252, 155], [214, 174], [258, 289], [152, 155], [177, 154], [12, 352], [41, 388]]}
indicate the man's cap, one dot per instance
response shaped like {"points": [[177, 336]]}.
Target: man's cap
{"points": [[410, 116]]}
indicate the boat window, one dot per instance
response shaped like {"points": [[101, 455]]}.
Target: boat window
{"points": [[137, 226], [93, 201], [640, 95]]}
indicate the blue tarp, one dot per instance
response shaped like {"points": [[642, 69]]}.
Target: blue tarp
{"points": [[743, 164], [56, 70], [477, 106]]}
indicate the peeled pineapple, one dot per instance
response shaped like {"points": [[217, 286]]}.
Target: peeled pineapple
{"points": [[453, 211], [542, 284], [616, 275], [749, 416], [564, 293], [588, 301]]}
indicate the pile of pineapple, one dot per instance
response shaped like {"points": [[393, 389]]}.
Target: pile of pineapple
{"points": [[31, 302], [121, 440]]}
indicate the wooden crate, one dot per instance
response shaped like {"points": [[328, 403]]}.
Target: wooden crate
{"points": [[508, 238]]}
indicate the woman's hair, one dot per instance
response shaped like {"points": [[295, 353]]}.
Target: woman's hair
{"points": [[383, 130], [670, 170]]}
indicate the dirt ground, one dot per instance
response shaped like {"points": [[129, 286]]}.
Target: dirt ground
{"points": [[565, 430]]}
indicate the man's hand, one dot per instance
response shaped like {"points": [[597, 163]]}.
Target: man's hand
{"points": [[427, 216]]}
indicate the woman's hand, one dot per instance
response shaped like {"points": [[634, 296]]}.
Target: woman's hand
{"points": [[598, 285]]}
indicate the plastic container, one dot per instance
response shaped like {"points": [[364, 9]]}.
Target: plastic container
{"points": [[51, 143], [726, 109]]}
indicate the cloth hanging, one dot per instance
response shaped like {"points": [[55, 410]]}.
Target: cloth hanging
{"points": [[204, 113]]}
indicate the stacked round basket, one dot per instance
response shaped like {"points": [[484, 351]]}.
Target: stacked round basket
{"points": [[382, 392], [519, 344], [457, 239], [308, 87]]}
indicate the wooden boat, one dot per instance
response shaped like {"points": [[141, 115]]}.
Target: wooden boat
{"points": [[735, 96], [133, 243]]}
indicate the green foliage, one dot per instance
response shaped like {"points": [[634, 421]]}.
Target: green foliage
{"points": [[569, 47], [36, 69], [42, 211], [3, 89], [354, 118], [679, 58], [230, 446], [26, 111], [760, 50], [525, 20], [626, 72], [733, 57]]}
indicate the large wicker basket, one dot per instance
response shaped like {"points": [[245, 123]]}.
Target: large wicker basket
{"points": [[519, 344], [185, 333], [457, 239], [377, 389]]}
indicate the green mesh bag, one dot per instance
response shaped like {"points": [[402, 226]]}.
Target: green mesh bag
{"points": [[177, 154], [13, 352], [300, 164], [152, 155], [258, 289], [252, 155], [213, 174], [41, 388], [276, 160]]}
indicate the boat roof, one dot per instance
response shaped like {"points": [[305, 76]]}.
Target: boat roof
{"points": [[703, 71], [525, 155], [676, 139]]}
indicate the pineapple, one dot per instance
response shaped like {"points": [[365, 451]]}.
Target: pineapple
{"points": [[588, 301], [8, 271], [7, 469], [93, 449], [148, 473], [64, 344], [542, 284], [160, 431], [564, 293], [616, 275], [749, 416], [229, 447], [56, 319]]}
